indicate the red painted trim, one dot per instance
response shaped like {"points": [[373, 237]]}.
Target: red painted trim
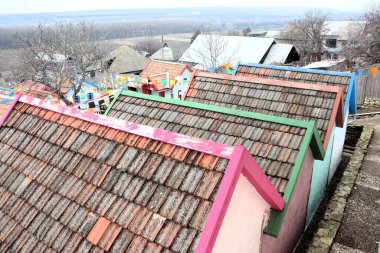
{"points": [[277, 82], [222, 200], [187, 66], [261, 182], [340, 113], [337, 116], [188, 87], [201, 145], [10, 108]]}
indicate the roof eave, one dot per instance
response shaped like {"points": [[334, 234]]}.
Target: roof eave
{"points": [[313, 141]]}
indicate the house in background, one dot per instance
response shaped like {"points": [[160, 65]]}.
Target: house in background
{"points": [[282, 54], [285, 150], [122, 60], [158, 78], [340, 33], [232, 49], [321, 77], [170, 50], [274, 34], [164, 74], [88, 91], [76, 182]]}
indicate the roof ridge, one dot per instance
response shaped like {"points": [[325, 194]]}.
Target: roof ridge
{"points": [[273, 82], [201, 145], [317, 148], [291, 68], [213, 108], [168, 62]]}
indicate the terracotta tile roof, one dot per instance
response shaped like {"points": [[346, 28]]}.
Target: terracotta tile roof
{"points": [[74, 185], [296, 75], [278, 98], [158, 67], [274, 146]]}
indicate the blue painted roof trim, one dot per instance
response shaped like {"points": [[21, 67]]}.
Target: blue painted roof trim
{"points": [[5, 88], [350, 105], [351, 99], [313, 71], [11, 91], [89, 83], [94, 85]]}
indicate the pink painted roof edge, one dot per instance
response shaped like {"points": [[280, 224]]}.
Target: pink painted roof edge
{"points": [[10, 108], [202, 145], [241, 162]]}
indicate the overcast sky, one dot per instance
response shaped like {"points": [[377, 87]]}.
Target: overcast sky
{"points": [[35, 6]]}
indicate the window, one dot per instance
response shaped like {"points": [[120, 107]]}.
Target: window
{"points": [[331, 43], [90, 96], [161, 93]]}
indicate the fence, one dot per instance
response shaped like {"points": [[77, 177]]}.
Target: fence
{"points": [[368, 87]]}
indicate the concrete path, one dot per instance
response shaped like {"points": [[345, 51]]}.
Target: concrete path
{"points": [[360, 228]]}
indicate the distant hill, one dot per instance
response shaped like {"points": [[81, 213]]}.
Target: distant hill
{"points": [[225, 17]]}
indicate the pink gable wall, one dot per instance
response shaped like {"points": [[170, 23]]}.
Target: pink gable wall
{"points": [[245, 220], [295, 218]]}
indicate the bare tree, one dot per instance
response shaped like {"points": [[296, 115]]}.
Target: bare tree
{"points": [[307, 34], [61, 56], [212, 51], [233, 32], [246, 31], [148, 45], [366, 48]]}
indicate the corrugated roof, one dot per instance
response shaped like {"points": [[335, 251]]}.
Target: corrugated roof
{"points": [[236, 49], [79, 182], [278, 53]]}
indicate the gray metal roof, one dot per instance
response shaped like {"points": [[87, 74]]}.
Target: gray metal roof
{"points": [[238, 48]]}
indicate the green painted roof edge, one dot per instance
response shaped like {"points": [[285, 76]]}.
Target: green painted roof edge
{"points": [[311, 139], [317, 146], [113, 102], [224, 110]]}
